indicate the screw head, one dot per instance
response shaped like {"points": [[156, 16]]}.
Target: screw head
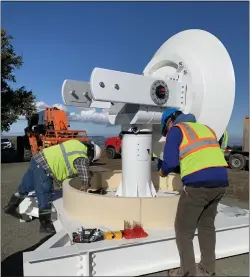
{"points": [[180, 63], [101, 84], [117, 86], [185, 72]]}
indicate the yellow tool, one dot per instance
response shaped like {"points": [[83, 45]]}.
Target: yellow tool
{"points": [[113, 235]]}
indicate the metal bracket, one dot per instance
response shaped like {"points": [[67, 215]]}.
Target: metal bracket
{"points": [[76, 93], [121, 87]]}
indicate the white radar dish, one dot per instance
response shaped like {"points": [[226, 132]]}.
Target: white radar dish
{"points": [[200, 60]]}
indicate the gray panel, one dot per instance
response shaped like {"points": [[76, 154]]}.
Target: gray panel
{"points": [[76, 93]]}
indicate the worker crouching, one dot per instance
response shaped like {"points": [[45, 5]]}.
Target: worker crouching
{"points": [[194, 147], [53, 164]]}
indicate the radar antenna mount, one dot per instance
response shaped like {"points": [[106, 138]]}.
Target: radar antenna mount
{"points": [[192, 71]]}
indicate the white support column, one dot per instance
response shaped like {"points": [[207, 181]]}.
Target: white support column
{"points": [[136, 166]]}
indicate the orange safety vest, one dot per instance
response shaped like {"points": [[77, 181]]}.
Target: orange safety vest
{"points": [[199, 148]]}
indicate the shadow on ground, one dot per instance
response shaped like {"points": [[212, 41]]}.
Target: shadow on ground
{"points": [[10, 157], [13, 264]]}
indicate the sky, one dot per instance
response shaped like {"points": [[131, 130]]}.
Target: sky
{"points": [[67, 40]]}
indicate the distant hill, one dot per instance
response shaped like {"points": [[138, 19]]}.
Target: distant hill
{"points": [[235, 141], [100, 140]]}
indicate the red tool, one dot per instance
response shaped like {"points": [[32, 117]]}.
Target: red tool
{"points": [[134, 232]]}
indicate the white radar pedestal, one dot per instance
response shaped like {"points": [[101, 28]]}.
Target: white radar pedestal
{"points": [[136, 166]]}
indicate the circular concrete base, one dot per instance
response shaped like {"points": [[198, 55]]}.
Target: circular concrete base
{"points": [[111, 212]]}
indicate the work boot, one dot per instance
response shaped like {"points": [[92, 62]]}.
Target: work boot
{"points": [[177, 272], [174, 272], [13, 204], [201, 271], [46, 224]]}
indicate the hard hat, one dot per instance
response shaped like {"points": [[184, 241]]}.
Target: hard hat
{"points": [[94, 151], [97, 152], [166, 114]]}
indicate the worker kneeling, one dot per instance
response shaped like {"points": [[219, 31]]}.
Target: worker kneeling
{"points": [[194, 147], [55, 163]]}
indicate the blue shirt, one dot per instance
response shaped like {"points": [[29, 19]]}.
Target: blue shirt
{"points": [[209, 177]]}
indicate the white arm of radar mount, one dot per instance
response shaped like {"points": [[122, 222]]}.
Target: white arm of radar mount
{"points": [[122, 87], [78, 94], [109, 86]]}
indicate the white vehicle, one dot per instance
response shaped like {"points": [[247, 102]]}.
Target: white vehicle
{"points": [[6, 144]]}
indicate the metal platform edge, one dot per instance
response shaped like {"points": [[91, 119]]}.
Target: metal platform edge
{"points": [[57, 257]]}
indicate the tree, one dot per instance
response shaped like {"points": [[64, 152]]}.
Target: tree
{"points": [[14, 102]]}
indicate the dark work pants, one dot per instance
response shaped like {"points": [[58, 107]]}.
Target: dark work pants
{"points": [[197, 209]]}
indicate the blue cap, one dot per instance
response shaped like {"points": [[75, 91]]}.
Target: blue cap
{"points": [[166, 114]]}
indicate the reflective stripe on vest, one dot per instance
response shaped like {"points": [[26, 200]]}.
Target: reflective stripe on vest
{"points": [[66, 155], [194, 142]]}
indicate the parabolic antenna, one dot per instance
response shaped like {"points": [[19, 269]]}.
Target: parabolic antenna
{"points": [[200, 60], [192, 71]]}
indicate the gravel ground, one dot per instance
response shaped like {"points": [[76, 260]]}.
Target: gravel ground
{"points": [[18, 237]]}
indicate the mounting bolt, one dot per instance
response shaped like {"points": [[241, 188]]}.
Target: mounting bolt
{"points": [[117, 86], [185, 72], [101, 84], [85, 94], [73, 93]]}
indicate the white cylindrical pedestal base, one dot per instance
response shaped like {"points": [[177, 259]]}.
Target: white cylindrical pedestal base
{"points": [[136, 166]]}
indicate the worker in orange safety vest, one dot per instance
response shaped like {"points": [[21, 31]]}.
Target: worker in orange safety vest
{"points": [[194, 148]]}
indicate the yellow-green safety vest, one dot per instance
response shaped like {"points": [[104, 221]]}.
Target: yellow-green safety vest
{"points": [[199, 148], [60, 158]]}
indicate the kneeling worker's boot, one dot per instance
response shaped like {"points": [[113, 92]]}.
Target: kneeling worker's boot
{"points": [[46, 224], [13, 204]]}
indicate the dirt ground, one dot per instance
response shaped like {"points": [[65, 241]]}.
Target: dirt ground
{"points": [[239, 185]]}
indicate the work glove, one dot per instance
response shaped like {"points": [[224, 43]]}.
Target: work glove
{"points": [[158, 164], [161, 173]]}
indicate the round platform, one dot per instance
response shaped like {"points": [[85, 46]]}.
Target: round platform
{"points": [[110, 211]]}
